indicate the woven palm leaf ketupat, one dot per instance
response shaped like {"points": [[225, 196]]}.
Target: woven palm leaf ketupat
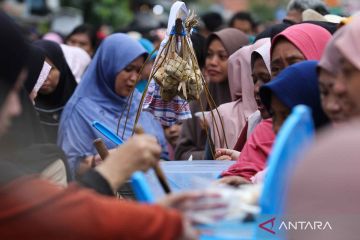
{"points": [[176, 74], [177, 71], [175, 78]]}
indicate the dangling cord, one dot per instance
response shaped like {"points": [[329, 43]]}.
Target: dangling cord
{"points": [[153, 71], [127, 115], [214, 107], [129, 99], [194, 65], [211, 102]]}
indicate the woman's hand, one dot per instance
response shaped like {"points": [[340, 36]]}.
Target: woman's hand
{"points": [[139, 153], [190, 202], [226, 154]]}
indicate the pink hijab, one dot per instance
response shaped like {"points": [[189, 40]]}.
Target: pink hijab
{"points": [[234, 114], [310, 39], [325, 186], [348, 42], [331, 57], [52, 36]]}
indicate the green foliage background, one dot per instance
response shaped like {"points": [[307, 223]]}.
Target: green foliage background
{"points": [[116, 13]]}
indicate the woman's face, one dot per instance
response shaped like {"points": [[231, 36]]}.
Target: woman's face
{"points": [[350, 76], [81, 40], [336, 104], [283, 55], [260, 76], [216, 62], [52, 80], [126, 79], [279, 113]]}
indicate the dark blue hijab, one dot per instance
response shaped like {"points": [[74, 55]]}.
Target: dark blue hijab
{"points": [[297, 84]]}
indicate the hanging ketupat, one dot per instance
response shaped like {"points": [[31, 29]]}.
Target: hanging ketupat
{"points": [[177, 70]]}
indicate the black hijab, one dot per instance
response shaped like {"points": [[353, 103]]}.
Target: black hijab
{"points": [[331, 27], [35, 64], [273, 30], [50, 106], [67, 82]]}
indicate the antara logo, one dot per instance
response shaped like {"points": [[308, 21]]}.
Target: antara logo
{"points": [[272, 222], [305, 225], [269, 225]]}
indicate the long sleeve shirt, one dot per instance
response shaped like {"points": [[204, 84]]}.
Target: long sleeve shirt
{"points": [[31, 208], [255, 152]]}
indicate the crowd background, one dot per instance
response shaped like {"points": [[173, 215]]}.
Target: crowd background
{"points": [[63, 68]]}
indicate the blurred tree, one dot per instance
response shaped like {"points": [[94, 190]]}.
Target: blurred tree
{"points": [[264, 10], [116, 13]]}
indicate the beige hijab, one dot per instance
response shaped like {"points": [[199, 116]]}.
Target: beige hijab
{"points": [[348, 42], [330, 60], [232, 40], [234, 114], [325, 186]]}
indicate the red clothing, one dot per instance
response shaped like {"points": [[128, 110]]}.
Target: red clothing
{"points": [[255, 152], [242, 138], [31, 208]]}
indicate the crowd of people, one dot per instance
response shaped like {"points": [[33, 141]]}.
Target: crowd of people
{"points": [[54, 184]]}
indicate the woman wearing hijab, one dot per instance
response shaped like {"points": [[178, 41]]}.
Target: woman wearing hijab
{"points": [[83, 36], [25, 198], [258, 145], [220, 45], [35, 66], [77, 59], [297, 43], [102, 96], [297, 84], [38, 71], [235, 114], [348, 47], [290, 46], [56, 90], [334, 96]]}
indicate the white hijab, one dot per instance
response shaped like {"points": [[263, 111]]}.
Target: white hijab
{"points": [[77, 59]]}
